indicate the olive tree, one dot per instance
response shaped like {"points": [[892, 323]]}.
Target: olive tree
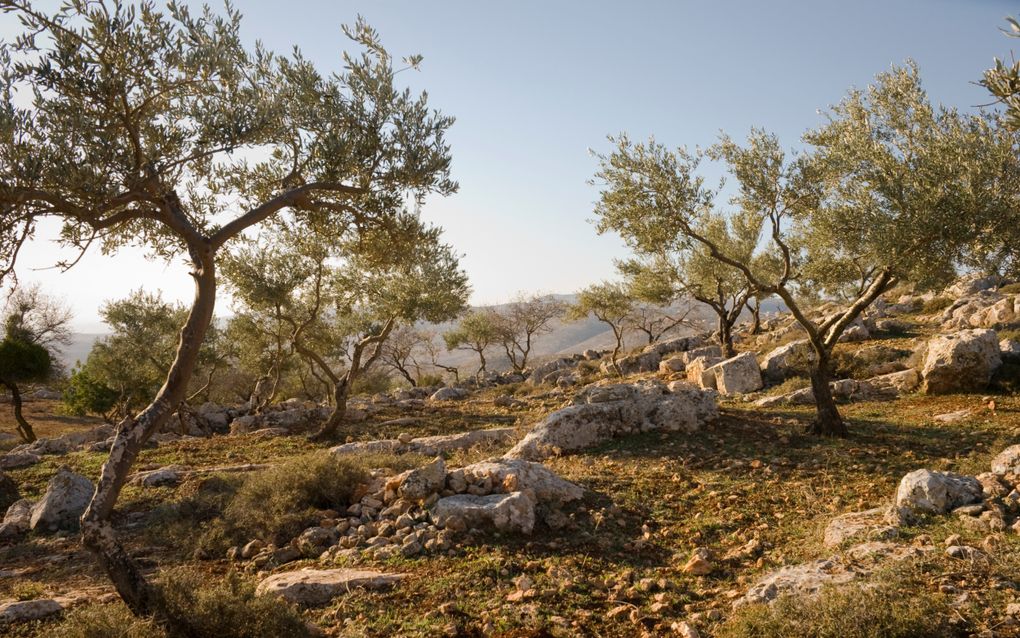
{"points": [[342, 301], [159, 128], [523, 319], [610, 303], [659, 305], [892, 189], [477, 331], [998, 251], [36, 326], [134, 359], [403, 350]]}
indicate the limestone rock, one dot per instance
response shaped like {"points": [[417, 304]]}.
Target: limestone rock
{"points": [[17, 519], [428, 445], [787, 361], [936, 492], [417, 485], [700, 372], [19, 611], [960, 362], [1009, 350], [314, 587], [867, 524], [603, 412], [67, 495], [1007, 461], [449, 394], [737, 375], [16, 460], [546, 484], [803, 579], [513, 512]]}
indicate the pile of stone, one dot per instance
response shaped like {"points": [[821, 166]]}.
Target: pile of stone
{"points": [[424, 510], [649, 358], [604, 411]]}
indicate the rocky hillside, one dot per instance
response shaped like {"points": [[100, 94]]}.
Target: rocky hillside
{"points": [[684, 499]]}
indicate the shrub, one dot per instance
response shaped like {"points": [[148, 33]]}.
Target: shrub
{"points": [[893, 607], [936, 304], [863, 363], [225, 608], [792, 384], [104, 621], [429, 380], [372, 382], [276, 504]]}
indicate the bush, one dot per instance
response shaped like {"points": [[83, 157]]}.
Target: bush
{"points": [[864, 363], [936, 304], [277, 504], [429, 380], [372, 382], [226, 608], [893, 607], [105, 621]]}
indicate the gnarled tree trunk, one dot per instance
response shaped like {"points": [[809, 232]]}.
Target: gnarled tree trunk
{"points": [[828, 421], [24, 427], [97, 532]]}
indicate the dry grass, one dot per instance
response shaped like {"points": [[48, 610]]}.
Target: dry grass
{"points": [[654, 498]]}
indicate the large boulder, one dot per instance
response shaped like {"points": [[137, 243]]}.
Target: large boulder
{"points": [[787, 361], [1007, 461], [539, 374], [418, 484], [449, 394], [315, 587], [513, 512], [19, 611], [936, 492], [975, 283], [960, 362], [17, 519], [603, 412], [67, 495], [517, 474], [634, 363], [292, 419], [699, 371], [737, 375]]}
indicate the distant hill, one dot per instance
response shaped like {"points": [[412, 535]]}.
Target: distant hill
{"points": [[78, 350], [564, 338]]}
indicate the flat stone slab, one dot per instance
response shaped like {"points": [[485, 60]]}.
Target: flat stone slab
{"points": [[803, 579], [314, 587], [429, 445], [20, 611]]}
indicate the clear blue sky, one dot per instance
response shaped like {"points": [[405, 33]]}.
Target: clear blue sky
{"points": [[534, 85]]}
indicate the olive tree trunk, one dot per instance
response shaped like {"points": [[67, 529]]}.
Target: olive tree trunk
{"points": [[24, 427], [828, 421], [132, 432]]}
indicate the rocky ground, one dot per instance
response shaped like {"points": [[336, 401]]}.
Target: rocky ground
{"points": [[682, 500]]}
